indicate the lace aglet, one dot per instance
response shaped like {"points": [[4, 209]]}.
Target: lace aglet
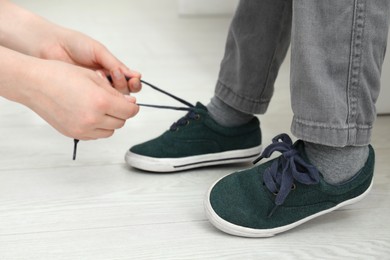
{"points": [[76, 141], [258, 159]]}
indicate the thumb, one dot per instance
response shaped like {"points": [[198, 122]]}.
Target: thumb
{"points": [[106, 84], [106, 59]]}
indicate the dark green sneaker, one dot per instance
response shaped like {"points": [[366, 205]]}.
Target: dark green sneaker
{"points": [[280, 194], [196, 140]]}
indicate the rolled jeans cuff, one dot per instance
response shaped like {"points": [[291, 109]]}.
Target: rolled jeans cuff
{"points": [[335, 136]]}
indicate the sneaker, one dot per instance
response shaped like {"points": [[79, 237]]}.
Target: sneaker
{"points": [[280, 194], [196, 140]]}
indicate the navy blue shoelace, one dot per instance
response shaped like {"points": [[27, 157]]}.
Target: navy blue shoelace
{"points": [[191, 115], [189, 107], [289, 167]]}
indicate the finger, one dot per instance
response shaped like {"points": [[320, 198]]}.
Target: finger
{"points": [[131, 99], [102, 74], [109, 62], [99, 133], [105, 59], [111, 123], [119, 81], [107, 84], [122, 108], [103, 129], [131, 73], [134, 85]]}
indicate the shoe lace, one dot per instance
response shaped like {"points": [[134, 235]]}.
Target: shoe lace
{"points": [[191, 115], [280, 176], [189, 107]]}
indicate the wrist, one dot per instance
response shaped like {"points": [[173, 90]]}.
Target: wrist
{"points": [[17, 80]]}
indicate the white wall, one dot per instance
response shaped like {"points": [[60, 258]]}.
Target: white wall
{"points": [[218, 7], [383, 105], [206, 7]]}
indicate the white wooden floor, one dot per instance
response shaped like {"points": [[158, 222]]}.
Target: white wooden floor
{"points": [[97, 208]]}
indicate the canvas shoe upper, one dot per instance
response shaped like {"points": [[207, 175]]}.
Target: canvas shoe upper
{"points": [[280, 194], [196, 140]]}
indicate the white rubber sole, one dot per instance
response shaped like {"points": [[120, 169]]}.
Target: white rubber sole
{"points": [[180, 164], [236, 230]]}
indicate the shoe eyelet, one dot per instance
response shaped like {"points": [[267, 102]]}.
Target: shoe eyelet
{"points": [[187, 123], [197, 117], [274, 193], [293, 187]]}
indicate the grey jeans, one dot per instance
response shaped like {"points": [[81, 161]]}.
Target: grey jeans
{"points": [[337, 51]]}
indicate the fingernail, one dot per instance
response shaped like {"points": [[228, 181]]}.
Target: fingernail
{"points": [[117, 74], [137, 85], [101, 74]]}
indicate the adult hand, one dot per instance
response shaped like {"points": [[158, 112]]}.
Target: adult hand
{"points": [[43, 39], [78, 102], [76, 48]]}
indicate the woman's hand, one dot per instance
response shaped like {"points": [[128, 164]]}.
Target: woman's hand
{"points": [[27, 33], [78, 102], [76, 48]]}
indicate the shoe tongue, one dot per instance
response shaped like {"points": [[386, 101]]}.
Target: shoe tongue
{"points": [[300, 146], [200, 106]]}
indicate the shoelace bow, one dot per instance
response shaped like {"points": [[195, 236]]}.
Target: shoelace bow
{"points": [[289, 167], [189, 107]]}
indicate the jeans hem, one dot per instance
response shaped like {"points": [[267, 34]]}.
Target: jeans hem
{"points": [[320, 133], [241, 103]]}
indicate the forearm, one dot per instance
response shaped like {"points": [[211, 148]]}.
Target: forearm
{"points": [[15, 71], [25, 32], [78, 102]]}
